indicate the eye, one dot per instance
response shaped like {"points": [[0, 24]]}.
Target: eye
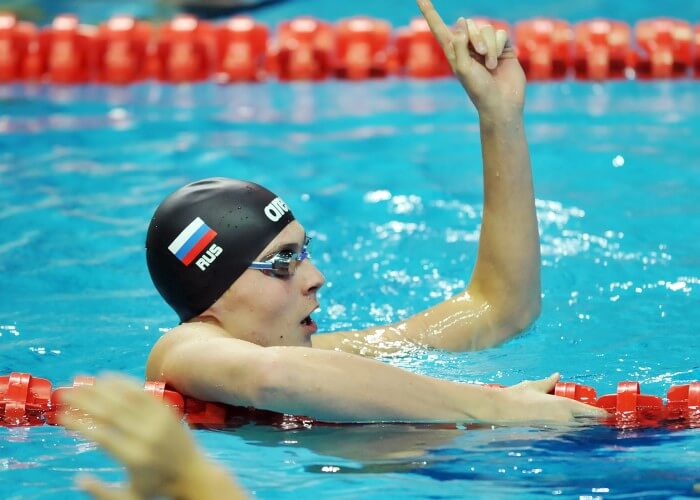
{"points": [[285, 254]]}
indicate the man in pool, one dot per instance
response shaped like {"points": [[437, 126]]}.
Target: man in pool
{"points": [[232, 261]]}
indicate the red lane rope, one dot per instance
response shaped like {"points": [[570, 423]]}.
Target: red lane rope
{"points": [[27, 401], [124, 50]]}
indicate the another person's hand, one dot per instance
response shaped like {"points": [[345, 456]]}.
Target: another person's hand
{"points": [[483, 60], [531, 401], [147, 437]]}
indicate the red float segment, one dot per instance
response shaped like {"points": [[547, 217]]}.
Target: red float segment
{"points": [[16, 40], [665, 48], [204, 413], [170, 398], [696, 44], [578, 392], [121, 46], [602, 49], [631, 408], [123, 50], [64, 53], [302, 50], [23, 399], [194, 410], [57, 403], [684, 403], [363, 49], [241, 45], [418, 52], [544, 48], [185, 50]]}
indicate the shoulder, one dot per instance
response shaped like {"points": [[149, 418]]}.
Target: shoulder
{"points": [[201, 360], [181, 337]]}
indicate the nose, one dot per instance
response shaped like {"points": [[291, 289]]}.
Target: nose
{"points": [[313, 278]]}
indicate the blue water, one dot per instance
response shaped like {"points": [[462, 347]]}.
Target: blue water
{"points": [[386, 177]]}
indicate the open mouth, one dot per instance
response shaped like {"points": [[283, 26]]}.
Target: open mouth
{"points": [[308, 324]]}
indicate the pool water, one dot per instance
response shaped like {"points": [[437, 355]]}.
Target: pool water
{"points": [[386, 176]]}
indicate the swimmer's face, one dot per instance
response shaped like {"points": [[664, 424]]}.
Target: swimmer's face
{"points": [[269, 310]]}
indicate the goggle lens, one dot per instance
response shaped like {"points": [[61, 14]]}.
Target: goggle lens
{"points": [[284, 263]]}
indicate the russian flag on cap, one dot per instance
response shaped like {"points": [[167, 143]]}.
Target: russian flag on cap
{"points": [[192, 241]]}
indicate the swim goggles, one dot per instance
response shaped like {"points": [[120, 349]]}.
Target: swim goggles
{"points": [[283, 263]]}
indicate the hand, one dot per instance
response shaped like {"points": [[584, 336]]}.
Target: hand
{"points": [[483, 60], [145, 435], [531, 401]]}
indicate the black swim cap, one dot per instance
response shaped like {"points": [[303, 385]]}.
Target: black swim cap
{"points": [[205, 235]]}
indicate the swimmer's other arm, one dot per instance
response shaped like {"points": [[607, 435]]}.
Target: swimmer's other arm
{"points": [[146, 436], [503, 294], [338, 387]]}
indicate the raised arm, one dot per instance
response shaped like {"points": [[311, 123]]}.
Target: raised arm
{"points": [[197, 360], [503, 295]]}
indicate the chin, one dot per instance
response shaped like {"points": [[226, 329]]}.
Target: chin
{"points": [[294, 342]]}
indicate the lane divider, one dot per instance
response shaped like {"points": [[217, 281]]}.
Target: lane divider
{"points": [[124, 50], [26, 400]]}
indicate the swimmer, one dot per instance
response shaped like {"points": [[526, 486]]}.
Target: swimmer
{"points": [[145, 435], [233, 262]]}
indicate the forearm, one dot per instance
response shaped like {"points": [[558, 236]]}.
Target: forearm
{"points": [[508, 260], [339, 387]]}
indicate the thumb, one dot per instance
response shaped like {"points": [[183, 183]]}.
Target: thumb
{"points": [[585, 410], [546, 384], [100, 491]]}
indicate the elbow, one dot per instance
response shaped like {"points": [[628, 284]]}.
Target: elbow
{"points": [[518, 312], [529, 313], [506, 323], [517, 319]]}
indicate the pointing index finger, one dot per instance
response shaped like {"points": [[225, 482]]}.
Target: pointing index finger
{"points": [[435, 22]]}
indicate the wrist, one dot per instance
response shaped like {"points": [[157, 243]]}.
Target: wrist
{"points": [[500, 118], [501, 105], [482, 403]]}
